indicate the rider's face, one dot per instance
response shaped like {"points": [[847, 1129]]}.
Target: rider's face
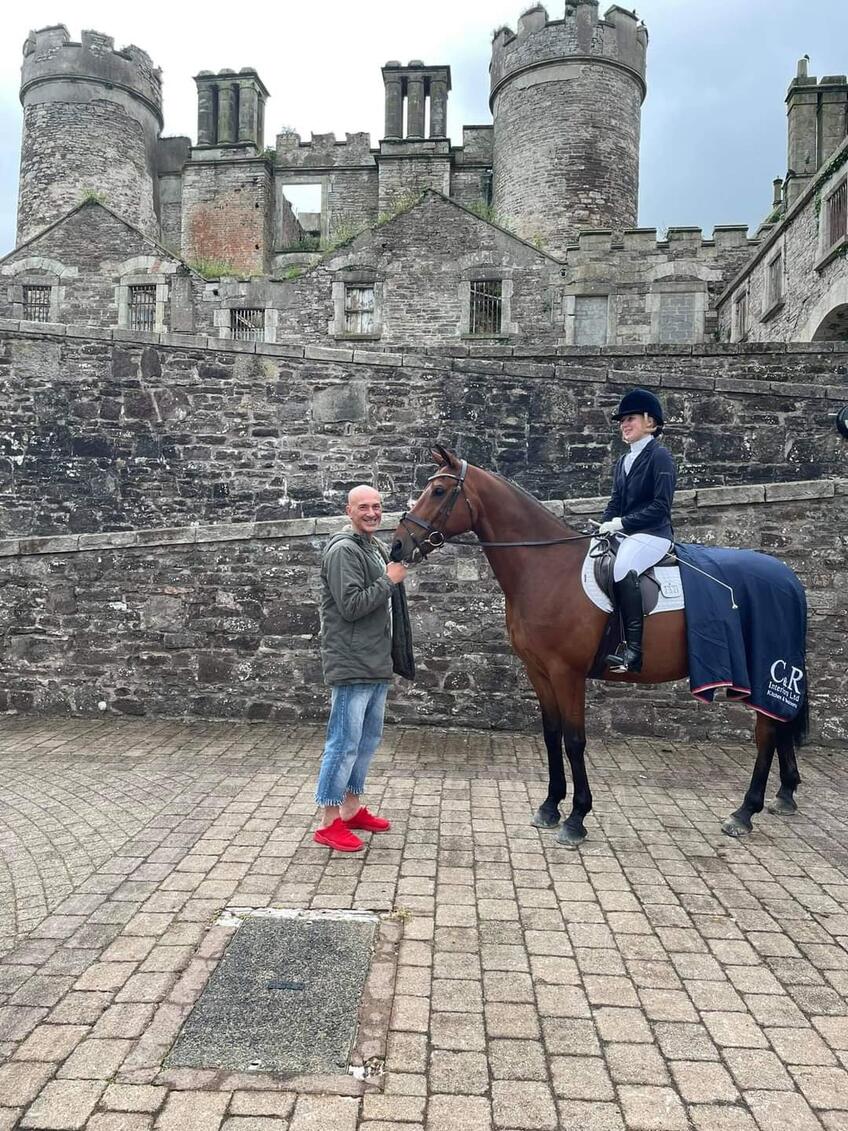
{"points": [[635, 426]]}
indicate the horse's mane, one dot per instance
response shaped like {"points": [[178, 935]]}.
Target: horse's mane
{"points": [[527, 495]]}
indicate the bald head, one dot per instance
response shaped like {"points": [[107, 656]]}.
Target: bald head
{"points": [[364, 509]]}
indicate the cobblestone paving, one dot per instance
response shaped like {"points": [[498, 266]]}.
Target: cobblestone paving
{"points": [[663, 977]]}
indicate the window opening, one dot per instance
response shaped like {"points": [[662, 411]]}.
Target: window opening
{"points": [[36, 304], [837, 214], [247, 325], [775, 280], [486, 306], [359, 310], [142, 306], [741, 312]]}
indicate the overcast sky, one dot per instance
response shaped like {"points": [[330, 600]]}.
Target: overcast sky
{"points": [[713, 124]]}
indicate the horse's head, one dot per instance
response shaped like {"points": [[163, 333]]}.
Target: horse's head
{"points": [[441, 511]]}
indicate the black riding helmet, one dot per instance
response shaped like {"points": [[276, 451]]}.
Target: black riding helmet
{"points": [[640, 400]]}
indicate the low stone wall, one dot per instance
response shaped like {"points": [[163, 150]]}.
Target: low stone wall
{"points": [[221, 621]]}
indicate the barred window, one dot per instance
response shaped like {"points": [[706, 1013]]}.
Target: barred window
{"points": [[486, 306], [774, 288], [142, 306], [740, 316], [36, 304], [359, 309], [247, 325], [836, 215]]}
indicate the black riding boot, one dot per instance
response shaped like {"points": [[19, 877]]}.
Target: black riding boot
{"points": [[629, 598]]}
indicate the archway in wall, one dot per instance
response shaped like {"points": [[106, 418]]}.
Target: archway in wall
{"points": [[834, 326]]}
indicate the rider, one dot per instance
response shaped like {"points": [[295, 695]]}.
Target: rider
{"points": [[638, 514]]}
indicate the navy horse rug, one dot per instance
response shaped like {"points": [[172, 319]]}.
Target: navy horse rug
{"points": [[746, 628]]}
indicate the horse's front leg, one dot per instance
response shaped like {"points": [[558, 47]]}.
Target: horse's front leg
{"points": [[571, 697], [547, 815]]}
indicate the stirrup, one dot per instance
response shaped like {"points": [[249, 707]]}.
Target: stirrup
{"points": [[627, 660]]}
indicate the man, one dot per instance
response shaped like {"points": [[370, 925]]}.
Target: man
{"points": [[356, 653]]}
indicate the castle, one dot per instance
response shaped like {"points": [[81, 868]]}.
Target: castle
{"points": [[525, 234], [193, 375]]}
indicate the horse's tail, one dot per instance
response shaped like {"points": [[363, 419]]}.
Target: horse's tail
{"points": [[800, 725]]}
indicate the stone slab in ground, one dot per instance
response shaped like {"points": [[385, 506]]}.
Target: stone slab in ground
{"points": [[284, 998]]}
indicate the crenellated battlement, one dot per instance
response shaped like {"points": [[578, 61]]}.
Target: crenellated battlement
{"points": [[323, 150], [687, 240], [51, 55], [619, 38]]}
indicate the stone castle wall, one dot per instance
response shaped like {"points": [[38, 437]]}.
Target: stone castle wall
{"points": [[814, 277], [221, 621], [149, 487], [107, 430], [227, 215], [659, 290]]}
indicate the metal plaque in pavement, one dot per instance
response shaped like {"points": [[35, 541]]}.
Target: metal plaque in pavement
{"points": [[284, 998]]}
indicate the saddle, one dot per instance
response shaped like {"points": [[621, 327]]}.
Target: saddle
{"points": [[604, 559]]}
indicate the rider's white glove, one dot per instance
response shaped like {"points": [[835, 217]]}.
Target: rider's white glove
{"points": [[614, 526]]}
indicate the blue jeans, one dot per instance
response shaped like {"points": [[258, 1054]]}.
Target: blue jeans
{"points": [[354, 731]]}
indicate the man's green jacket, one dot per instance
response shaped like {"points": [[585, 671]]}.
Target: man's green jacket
{"points": [[356, 627]]}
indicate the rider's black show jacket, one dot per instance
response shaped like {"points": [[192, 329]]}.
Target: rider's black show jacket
{"points": [[642, 499]]}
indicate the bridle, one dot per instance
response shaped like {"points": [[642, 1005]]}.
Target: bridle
{"points": [[436, 537]]}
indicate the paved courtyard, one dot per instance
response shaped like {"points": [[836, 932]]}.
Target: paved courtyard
{"points": [[663, 977]]}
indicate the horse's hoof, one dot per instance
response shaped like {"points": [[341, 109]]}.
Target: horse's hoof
{"points": [[735, 827], [783, 807], [543, 820], [569, 838]]}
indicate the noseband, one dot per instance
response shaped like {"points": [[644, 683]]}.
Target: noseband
{"points": [[435, 536]]}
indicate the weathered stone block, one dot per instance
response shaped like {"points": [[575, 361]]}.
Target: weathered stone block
{"points": [[723, 496], [163, 613], [108, 541], [215, 668], [58, 544], [166, 536], [325, 353], [372, 357], [224, 532], [340, 403], [285, 528], [811, 489]]}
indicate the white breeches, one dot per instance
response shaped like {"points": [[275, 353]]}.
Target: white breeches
{"points": [[639, 552]]}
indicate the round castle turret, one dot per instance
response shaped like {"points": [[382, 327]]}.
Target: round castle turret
{"points": [[92, 118], [566, 98]]}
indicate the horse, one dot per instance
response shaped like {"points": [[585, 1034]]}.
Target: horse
{"points": [[556, 631]]}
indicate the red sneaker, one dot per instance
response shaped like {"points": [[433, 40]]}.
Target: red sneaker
{"points": [[365, 820], [338, 836]]}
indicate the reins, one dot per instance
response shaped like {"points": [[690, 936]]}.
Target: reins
{"points": [[504, 545], [435, 537]]}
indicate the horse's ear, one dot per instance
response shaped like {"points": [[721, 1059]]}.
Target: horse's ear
{"points": [[442, 455]]}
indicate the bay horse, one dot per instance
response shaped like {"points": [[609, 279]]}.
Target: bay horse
{"points": [[556, 630]]}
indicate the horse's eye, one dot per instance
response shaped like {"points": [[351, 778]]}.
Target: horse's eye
{"points": [[438, 490]]}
